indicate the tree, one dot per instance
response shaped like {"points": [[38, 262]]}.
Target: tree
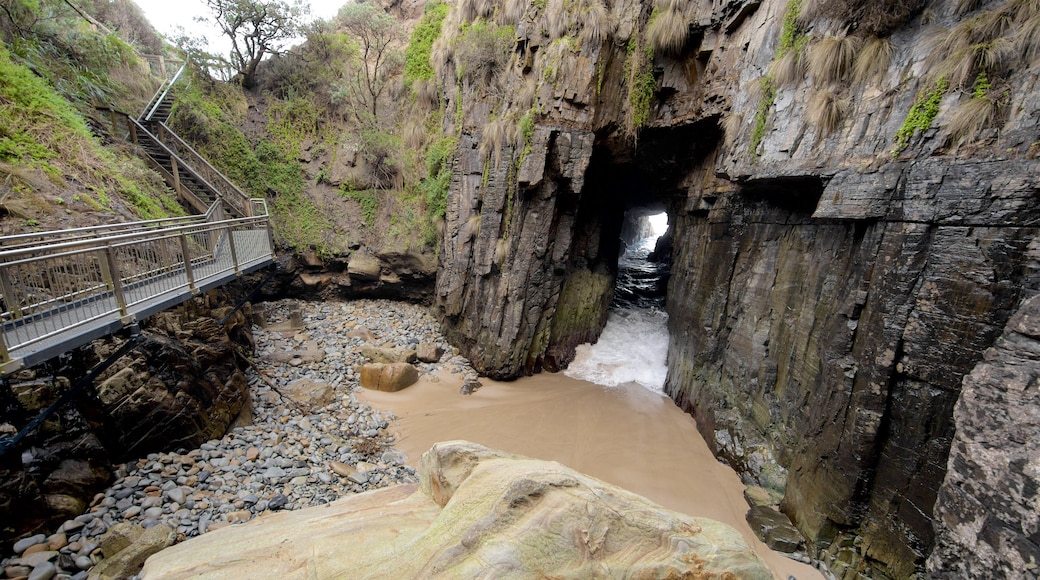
{"points": [[379, 60], [257, 28]]}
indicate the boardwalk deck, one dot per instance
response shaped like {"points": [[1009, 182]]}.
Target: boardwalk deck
{"points": [[43, 335]]}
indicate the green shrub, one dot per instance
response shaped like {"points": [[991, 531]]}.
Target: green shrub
{"points": [[437, 182], [483, 50], [368, 200], [922, 113], [642, 83], [765, 104], [417, 65]]}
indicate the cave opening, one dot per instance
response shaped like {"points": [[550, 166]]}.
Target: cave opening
{"points": [[644, 260], [635, 192]]}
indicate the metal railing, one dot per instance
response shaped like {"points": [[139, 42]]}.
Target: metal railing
{"points": [[161, 94], [58, 288], [183, 156], [220, 184]]}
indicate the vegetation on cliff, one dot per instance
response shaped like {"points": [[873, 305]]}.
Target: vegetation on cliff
{"points": [[56, 66]]}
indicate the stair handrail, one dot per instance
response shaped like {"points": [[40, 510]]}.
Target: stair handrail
{"points": [[233, 195], [186, 166], [161, 94], [204, 224], [15, 241]]}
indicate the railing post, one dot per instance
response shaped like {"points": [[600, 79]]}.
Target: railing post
{"points": [[110, 273], [7, 365], [133, 130], [234, 251], [113, 120], [4, 356], [8, 290], [176, 174], [187, 263]]}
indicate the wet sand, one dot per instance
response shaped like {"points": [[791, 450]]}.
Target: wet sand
{"points": [[627, 436]]}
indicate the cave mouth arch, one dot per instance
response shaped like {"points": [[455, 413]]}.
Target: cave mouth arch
{"points": [[627, 182]]}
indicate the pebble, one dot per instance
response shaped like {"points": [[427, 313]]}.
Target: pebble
{"points": [[23, 544], [45, 571], [291, 457]]}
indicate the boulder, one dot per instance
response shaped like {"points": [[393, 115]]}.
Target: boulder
{"points": [[180, 387], [119, 537], [475, 510], [385, 355], [774, 528], [429, 353], [388, 377], [309, 393], [128, 561], [364, 266]]}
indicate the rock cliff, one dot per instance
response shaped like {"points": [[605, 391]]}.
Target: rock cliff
{"points": [[853, 208]]}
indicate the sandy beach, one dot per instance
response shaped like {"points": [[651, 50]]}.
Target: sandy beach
{"points": [[626, 435]]}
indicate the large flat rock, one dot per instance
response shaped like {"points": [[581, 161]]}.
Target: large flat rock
{"points": [[475, 512]]}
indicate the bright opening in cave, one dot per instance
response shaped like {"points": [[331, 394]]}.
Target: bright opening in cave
{"points": [[658, 224]]}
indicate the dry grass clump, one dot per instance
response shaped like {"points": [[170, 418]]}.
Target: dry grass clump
{"points": [[731, 125], [470, 10], [788, 69], [526, 97], [870, 17], [872, 60], [980, 43], [830, 59], [826, 110], [669, 27], [598, 24], [966, 6], [973, 116], [512, 12], [557, 19], [493, 139]]}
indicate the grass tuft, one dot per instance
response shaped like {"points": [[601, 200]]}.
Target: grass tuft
{"points": [[872, 60], [787, 69], [826, 110], [597, 22], [669, 28], [513, 12], [973, 116], [557, 19], [830, 59]]}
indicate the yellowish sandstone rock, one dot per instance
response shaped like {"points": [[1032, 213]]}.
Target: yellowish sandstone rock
{"points": [[477, 512]]}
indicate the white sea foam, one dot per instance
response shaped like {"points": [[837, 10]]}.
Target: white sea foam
{"points": [[632, 348]]}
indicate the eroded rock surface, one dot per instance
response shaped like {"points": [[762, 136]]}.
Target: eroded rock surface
{"points": [[988, 504], [475, 510]]}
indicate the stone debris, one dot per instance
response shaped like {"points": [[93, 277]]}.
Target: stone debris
{"points": [[311, 441]]}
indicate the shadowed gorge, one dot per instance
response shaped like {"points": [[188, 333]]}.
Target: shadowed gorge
{"points": [[851, 256]]}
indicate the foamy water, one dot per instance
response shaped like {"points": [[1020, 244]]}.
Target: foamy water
{"points": [[632, 349]]}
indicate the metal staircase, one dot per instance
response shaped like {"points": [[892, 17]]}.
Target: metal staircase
{"points": [[65, 288]]}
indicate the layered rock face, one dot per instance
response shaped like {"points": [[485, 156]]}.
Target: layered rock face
{"points": [[847, 240], [988, 506], [475, 512]]}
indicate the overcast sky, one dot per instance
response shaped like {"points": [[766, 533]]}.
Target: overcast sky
{"points": [[165, 15]]}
